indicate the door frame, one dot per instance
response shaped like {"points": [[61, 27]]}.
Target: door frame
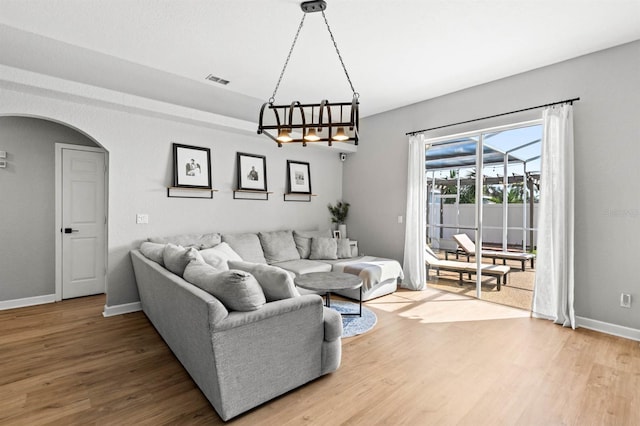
{"points": [[59, 147]]}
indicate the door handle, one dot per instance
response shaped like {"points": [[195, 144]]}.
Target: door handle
{"points": [[69, 230]]}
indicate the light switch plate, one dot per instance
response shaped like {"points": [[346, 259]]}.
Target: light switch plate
{"points": [[3, 164], [3, 154]]}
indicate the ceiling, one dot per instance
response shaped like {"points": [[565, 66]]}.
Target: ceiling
{"points": [[396, 52]]}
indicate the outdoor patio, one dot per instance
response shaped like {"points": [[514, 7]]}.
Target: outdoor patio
{"points": [[518, 292]]}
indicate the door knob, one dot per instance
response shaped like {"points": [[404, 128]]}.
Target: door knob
{"points": [[69, 230]]}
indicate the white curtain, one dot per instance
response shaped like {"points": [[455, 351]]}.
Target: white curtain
{"points": [[414, 238], [553, 293]]}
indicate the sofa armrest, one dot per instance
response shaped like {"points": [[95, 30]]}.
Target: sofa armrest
{"points": [[264, 353], [332, 325], [271, 309]]}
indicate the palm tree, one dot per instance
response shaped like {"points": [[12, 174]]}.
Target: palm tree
{"points": [[467, 192]]}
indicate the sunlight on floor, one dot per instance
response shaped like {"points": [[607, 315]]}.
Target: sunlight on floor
{"points": [[434, 306]]}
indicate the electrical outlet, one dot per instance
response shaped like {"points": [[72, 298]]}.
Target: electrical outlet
{"points": [[625, 300], [142, 218]]}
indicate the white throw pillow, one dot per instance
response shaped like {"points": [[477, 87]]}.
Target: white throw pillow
{"points": [[237, 290], [276, 283], [176, 258], [219, 255]]}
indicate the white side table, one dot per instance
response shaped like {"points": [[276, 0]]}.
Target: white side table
{"points": [[354, 248]]}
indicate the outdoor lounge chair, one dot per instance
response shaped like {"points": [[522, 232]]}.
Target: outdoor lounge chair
{"points": [[469, 248], [498, 271]]}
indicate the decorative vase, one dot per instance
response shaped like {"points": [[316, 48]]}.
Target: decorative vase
{"points": [[343, 230]]}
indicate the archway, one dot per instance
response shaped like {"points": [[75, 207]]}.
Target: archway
{"points": [[28, 188]]}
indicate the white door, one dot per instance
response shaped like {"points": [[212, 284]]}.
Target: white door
{"points": [[83, 225]]}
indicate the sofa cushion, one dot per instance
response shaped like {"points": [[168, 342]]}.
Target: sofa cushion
{"points": [[246, 245], [344, 248], [199, 241], [323, 248], [153, 251], [237, 290], [303, 240], [304, 266], [176, 258], [219, 255], [276, 283], [278, 246]]}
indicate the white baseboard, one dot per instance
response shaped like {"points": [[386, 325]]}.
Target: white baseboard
{"points": [[126, 308], [27, 301], [605, 327]]}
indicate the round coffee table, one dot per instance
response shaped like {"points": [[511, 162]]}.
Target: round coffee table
{"points": [[330, 281]]}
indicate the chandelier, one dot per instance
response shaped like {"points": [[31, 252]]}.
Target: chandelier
{"points": [[302, 123]]}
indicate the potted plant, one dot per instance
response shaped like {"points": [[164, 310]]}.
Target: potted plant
{"points": [[339, 214]]}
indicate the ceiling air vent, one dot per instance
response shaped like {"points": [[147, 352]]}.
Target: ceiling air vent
{"points": [[215, 79]]}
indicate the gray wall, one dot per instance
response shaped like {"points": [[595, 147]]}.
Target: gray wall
{"points": [[27, 196], [140, 169], [607, 150]]}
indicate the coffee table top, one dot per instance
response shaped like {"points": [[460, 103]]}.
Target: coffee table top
{"points": [[328, 281]]}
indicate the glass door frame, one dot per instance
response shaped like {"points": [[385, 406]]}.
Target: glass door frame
{"points": [[479, 133]]}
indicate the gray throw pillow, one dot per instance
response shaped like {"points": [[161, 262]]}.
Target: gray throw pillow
{"points": [[237, 290], [323, 248], [247, 246], [219, 255], [303, 240], [153, 251], [276, 283], [176, 258], [344, 248], [278, 246]]}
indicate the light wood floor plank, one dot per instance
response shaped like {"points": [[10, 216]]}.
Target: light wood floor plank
{"points": [[432, 359]]}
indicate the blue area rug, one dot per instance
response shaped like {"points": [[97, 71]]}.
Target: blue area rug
{"points": [[352, 325]]}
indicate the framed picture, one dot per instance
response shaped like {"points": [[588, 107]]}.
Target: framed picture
{"points": [[191, 166], [252, 171], [298, 177], [337, 235]]}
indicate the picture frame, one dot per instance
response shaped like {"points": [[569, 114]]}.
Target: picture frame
{"points": [[337, 235], [298, 177], [191, 166], [252, 171]]}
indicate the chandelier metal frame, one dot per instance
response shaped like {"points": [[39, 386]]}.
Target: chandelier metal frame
{"points": [[304, 123]]}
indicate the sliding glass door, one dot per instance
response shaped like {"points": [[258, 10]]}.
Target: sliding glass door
{"points": [[481, 195]]}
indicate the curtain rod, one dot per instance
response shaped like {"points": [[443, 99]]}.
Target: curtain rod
{"points": [[566, 101]]}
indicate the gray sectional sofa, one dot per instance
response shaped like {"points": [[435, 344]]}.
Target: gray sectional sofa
{"points": [[246, 334]]}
